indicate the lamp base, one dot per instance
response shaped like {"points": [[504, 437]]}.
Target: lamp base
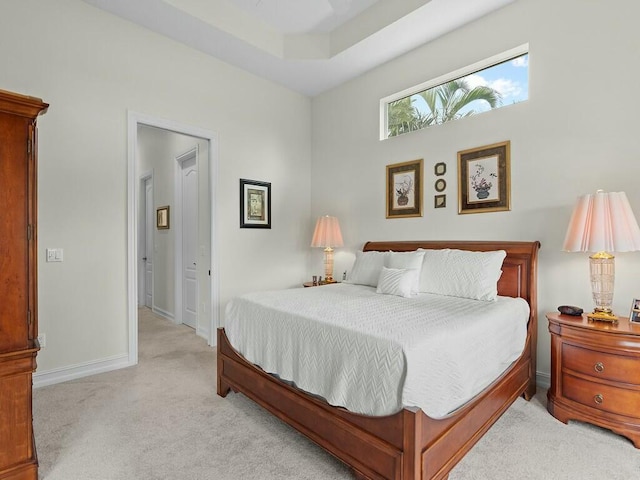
{"points": [[600, 316]]}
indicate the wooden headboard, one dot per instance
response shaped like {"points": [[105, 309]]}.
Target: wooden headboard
{"points": [[519, 269]]}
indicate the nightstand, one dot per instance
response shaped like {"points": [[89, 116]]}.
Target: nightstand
{"points": [[595, 373]]}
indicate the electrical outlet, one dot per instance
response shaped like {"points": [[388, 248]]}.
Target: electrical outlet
{"points": [[42, 340]]}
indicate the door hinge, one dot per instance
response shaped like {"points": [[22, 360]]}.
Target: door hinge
{"points": [[29, 145], [209, 272], [29, 317], [29, 232]]}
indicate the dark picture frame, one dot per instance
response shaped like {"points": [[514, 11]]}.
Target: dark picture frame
{"points": [[634, 315], [484, 179], [440, 201], [163, 218], [404, 189], [255, 204]]}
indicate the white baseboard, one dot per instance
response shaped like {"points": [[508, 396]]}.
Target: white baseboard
{"points": [[64, 374], [203, 333], [163, 313], [543, 380]]}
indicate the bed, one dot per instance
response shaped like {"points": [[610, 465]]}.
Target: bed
{"points": [[409, 444]]}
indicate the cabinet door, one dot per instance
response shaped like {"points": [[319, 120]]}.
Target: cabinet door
{"points": [[14, 251]]}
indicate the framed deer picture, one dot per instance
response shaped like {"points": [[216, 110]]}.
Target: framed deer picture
{"points": [[404, 189]]}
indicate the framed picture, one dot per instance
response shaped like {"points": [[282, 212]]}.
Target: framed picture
{"points": [[404, 189], [439, 201], [634, 316], [440, 168], [484, 183], [162, 218], [255, 204]]}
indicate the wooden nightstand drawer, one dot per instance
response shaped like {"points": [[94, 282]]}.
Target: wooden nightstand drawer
{"points": [[617, 368], [600, 396], [595, 373]]}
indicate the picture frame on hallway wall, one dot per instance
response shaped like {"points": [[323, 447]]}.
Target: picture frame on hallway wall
{"points": [[404, 189], [162, 218], [255, 204], [484, 179], [634, 315]]}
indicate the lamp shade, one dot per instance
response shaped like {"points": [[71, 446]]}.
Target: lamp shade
{"points": [[327, 233], [602, 222]]}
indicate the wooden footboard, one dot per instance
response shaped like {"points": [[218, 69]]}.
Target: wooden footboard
{"points": [[408, 445]]}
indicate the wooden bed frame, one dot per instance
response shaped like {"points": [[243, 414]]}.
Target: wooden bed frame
{"points": [[407, 445]]}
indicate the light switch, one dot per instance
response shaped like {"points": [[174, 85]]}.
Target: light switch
{"points": [[54, 254]]}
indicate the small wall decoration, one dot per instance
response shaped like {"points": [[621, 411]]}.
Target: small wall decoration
{"points": [[404, 189], [634, 316], [440, 169], [484, 183], [440, 185], [255, 204], [439, 201], [162, 218]]}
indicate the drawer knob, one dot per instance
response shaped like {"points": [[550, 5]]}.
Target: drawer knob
{"points": [[598, 399], [599, 367]]}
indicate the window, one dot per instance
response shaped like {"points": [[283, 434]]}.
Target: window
{"points": [[492, 83]]}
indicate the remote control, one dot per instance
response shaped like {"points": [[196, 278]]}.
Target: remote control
{"points": [[570, 310]]}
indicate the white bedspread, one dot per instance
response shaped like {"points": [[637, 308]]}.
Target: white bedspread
{"points": [[375, 354]]}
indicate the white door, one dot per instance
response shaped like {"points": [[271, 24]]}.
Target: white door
{"points": [[148, 253], [189, 241]]}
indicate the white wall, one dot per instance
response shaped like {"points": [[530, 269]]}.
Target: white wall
{"points": [[577, 133], [92, 68]]}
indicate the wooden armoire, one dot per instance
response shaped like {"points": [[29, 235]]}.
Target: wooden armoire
{"points": [[18, 283]]}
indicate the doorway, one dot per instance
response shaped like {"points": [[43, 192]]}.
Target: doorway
{"points": [[203, 305], [145, 241], [187, 202]]}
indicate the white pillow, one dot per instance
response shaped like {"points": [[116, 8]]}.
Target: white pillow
{"points": [[366, 269], [461, 273], [397, 281], [407, 260]]}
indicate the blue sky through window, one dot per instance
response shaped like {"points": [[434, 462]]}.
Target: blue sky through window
{"points": [[510, 79]]}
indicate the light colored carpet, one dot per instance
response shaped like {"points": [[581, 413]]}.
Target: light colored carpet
{"points": [[163, 420]]}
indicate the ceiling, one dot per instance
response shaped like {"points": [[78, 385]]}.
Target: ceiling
{"points": [[308, 46]]}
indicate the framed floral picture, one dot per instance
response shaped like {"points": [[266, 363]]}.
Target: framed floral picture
{"points": [[484, 183], [404, 189], [255, 204]]}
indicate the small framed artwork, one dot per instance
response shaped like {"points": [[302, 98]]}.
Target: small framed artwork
{"points": [[439, 201], [634, 316], [162, 218], [440, 185], [440, 169], [404, 189], [255, 204], [484, 183]]}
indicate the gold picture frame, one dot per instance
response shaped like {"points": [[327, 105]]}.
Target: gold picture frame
{"points": [[484, 179], [404, 189], [162, 218]]}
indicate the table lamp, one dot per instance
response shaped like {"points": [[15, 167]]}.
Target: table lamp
{"points": [[327, 234], [602, 223]]}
